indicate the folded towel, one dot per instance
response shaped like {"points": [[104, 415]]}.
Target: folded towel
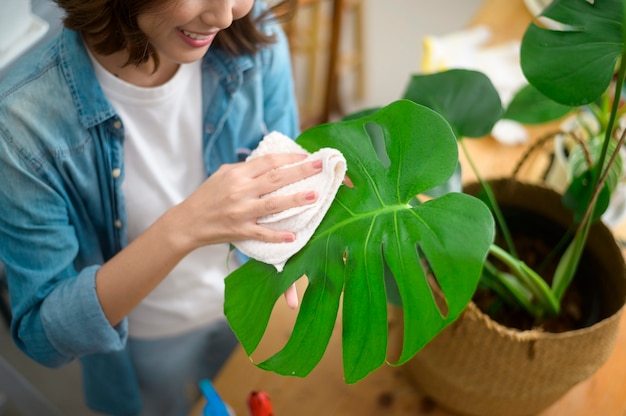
{"points": [[301, 220]]}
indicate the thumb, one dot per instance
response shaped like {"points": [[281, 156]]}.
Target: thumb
{"points": [[291, 296]]}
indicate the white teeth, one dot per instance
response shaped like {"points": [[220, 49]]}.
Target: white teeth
{"points": [[196, 36]]}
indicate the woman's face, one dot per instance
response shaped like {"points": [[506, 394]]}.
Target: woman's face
{"points": [[183, 30]]}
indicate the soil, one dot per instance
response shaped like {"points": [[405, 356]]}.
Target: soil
{"points": [[574, 305]]}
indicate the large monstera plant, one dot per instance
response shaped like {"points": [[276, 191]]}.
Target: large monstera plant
{"points": [[434, 248], [377, 225]]}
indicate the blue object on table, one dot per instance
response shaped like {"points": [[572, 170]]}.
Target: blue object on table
{"points": [[214, 405]]}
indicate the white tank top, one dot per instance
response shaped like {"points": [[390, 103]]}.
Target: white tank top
{"points": [[163, 165]]}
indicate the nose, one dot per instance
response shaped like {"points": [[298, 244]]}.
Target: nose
{"points": [[218, 14]]}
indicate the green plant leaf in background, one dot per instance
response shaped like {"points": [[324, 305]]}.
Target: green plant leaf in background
{"points": [[575, 64], [579, 193], [469, 102], [467, 99], [529, 106], [376, 225]]}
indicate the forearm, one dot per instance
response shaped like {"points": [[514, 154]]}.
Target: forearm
{"points": [[125, 280], [210, 215]]}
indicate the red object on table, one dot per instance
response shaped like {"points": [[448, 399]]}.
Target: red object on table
{"points": [[260, 404]]}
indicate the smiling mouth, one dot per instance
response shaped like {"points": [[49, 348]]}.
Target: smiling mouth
{"points": [[197, 36]]}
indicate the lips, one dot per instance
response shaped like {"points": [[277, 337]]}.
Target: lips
{"points": [[197, 39], [196, 36]]}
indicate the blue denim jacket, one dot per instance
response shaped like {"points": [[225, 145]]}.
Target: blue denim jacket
{"points": [[62, 210]]}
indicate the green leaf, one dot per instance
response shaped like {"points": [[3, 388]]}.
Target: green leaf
{"points": [[579, 193], [527, 278], [574, 64], [375, 226], [566, 269], [577, 164], [529, 106], [466, 99]]}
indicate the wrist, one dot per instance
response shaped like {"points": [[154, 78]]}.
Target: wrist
{"points": [[171, 228]]}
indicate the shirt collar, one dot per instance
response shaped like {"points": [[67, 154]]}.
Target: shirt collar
{"points": [[91, 104], [93, 107]]}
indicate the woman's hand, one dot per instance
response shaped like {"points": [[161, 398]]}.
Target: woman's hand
{"points": [[227, 205], [224, 208]]}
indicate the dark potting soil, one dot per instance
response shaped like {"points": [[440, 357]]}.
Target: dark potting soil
{"points": [[576, 306]]}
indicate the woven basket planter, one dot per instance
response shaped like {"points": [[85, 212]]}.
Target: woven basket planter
{"points": [[480, 367]]}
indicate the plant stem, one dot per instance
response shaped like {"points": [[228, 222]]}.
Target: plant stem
{"points": [[510, 290], [600, 174], [492, 201], [530, 280], [569, 262]]}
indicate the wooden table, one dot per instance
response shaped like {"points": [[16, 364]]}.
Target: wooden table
{"points": [[387, 391]]}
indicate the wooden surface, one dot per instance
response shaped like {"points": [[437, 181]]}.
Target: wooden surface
{"points": [[387, 391]]}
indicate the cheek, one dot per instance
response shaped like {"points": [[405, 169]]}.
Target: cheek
{"points": [[154, 26], [147, 24], [242, 8]]}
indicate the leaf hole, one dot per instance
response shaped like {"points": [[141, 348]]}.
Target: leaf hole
{"points": [[433, 284], [377, 137]]}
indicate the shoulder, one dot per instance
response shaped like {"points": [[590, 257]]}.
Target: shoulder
{"points": [[38, 104], [42, 74], [30, 68], [54, 84], [267, 23], [29, 93]]}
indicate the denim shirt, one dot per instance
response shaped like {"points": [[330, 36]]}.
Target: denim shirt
{"points": [[62, 211]]}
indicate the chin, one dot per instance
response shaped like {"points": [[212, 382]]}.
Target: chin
{"points": [[189, 57]]}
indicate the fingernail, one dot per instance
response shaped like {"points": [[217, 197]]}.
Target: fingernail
{"points": [[317, 164], [310, 196], [289, 238]]}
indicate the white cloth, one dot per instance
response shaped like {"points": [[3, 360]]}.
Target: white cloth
{"points": [[303, 220]]}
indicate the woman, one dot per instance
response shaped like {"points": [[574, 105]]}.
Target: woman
{"points": [[120, 145]]}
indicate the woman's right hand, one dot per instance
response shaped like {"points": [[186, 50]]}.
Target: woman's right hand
{"points": [[227, 205]]}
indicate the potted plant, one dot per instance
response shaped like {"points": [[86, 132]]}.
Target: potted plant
{"points": [[383, 236], [509, 380]]}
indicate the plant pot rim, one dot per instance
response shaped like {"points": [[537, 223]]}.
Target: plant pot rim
{"points": [[530, 335]]}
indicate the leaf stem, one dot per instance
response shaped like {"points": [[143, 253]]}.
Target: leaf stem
{"points": [[492, 201], [531, 281]]}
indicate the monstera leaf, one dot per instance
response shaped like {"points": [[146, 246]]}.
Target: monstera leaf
{"points": [[574, 59], [466, 98], [433, 249]]}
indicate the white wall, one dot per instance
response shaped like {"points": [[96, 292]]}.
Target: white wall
{"points": [[393, 33]]}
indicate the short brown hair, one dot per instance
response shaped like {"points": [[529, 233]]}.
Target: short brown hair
{"points": [[111, 26]]}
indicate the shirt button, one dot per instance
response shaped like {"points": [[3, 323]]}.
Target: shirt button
{"points": [[117, 124], [118, 224], [116, 173], [208, 129]]}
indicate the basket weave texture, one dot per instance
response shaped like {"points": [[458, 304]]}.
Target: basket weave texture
{"points": [[479, 367]]}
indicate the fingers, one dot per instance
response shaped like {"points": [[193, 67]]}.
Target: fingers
{"points": [[291, 296], [262, 164], [348, 182], [276, 176], [230, 204], [274, 204]]}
